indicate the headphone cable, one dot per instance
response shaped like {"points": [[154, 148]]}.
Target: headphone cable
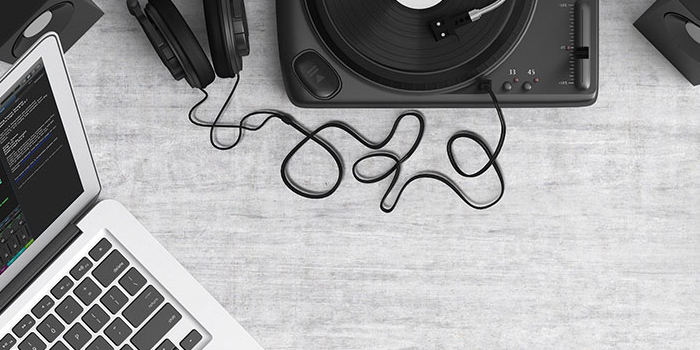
{"points": [[376, 147]]}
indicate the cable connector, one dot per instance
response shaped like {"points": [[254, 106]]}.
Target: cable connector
{"points": [[485, 86]]}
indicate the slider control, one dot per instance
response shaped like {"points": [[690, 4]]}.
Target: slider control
{"points": [[582, 51]]}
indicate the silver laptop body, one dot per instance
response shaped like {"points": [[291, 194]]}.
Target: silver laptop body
{"points": [[77, 273]]}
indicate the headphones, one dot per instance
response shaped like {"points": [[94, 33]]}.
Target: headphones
{"points": [[179, 50]]}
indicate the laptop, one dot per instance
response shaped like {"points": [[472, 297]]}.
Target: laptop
{"points": [[78, 273]]}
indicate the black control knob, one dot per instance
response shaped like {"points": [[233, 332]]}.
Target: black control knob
{"points": [[582, 53], [507, 86], [527, 86]]}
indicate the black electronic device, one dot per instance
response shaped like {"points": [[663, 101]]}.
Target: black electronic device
{"points": [[177, 47], [673, 27], [383, 53], [227, 31], [23, 22]]}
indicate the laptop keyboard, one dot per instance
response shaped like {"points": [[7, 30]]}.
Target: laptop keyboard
{"points": [[103, 303], [13, 242]]}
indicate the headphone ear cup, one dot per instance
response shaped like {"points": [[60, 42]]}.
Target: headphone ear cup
{"points": [[227, 30], [155, 37], [165, 16]]}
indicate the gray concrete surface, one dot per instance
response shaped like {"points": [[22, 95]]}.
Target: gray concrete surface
{"points": [[596, 244]]}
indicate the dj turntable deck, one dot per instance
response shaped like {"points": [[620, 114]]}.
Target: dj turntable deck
{"points": [[383, 53]]}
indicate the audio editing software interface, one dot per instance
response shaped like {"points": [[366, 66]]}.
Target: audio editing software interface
{"points": [[38, 176]]}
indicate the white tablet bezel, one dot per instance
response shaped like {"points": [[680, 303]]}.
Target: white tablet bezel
{"points": [[48, 49]]}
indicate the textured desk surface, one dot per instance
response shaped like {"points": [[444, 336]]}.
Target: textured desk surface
{"points": [[596, 244]]}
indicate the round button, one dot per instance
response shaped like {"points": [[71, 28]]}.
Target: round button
{"points": [[507, 86], [527, 86], [317, 76]]}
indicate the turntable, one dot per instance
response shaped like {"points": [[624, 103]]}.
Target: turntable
{"points": [[427, 53]]}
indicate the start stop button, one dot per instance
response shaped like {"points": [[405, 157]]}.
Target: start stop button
{"points": [[317, 76]]}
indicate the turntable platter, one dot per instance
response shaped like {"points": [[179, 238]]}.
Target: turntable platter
{"points": [[393, 45]]}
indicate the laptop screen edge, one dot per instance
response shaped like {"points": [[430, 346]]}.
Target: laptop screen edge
{"points": [[49, 50]]}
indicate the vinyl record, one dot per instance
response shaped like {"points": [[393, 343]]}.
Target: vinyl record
{"points": [[394, 46]]}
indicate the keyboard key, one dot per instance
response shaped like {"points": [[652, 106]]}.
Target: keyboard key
{"points": [[191, 340], [126, 347], [50, 328], [84, 265], [96, 318], [43, 307], [69, 310], [7, 342], [166, 345], [13, 245], [143, 306], [114, 300], [110, 268], [87, 291], [99, 344], [118, 331], [59, 346], [77, 336], [62, 288], [5, 255], [32, 342], [155, 329], [23, 236], [24, 325], [132, 282], [100, 249]]}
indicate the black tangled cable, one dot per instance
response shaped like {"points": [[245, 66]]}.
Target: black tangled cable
{"points": [[398, 160]]}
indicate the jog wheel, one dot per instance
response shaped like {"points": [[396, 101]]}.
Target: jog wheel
{"points": [[392, 44]]}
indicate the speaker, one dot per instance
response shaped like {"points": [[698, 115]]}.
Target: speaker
{"points": [[673, 27], [22, 22]]}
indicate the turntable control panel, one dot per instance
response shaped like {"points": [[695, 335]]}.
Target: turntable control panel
{"points": [[562, 64], [338, 54]]}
